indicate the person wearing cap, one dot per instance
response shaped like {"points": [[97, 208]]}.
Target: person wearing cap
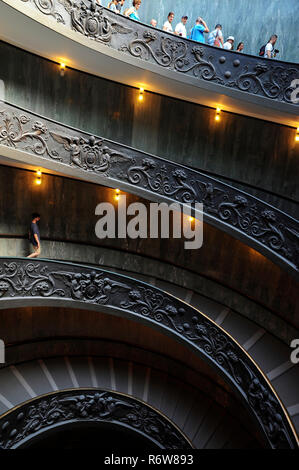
{"points": [[198, 30], [180, 28], [229, 44]]}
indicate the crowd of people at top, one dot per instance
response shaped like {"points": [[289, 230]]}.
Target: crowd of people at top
{"points": [[197, 33]]}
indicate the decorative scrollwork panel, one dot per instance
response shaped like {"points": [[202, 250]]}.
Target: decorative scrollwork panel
{"points": [[80, 406]]}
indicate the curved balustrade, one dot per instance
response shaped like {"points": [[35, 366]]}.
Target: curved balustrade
{"points": [[244, 73], [43, 282], [35, 417], [29, 138]]}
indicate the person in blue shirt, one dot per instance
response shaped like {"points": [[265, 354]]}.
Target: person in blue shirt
{"points": [[132, 12], [197, 32]]}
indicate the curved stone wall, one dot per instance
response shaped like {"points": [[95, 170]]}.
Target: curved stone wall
{"points": [[158, 51], [36, 140], [191, 409], [246, 150], [68, 210]]}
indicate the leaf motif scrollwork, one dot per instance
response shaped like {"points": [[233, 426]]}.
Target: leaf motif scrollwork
{"points": [[91, 21], [47, 7], [90, 405], [21, 130], [158, 179], [28, 280], [171, 54], [270, 81], [90, 154]]}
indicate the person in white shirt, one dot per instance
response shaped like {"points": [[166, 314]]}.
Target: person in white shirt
{"points": [[215, 37], [167, 25], [229, 44], [180, 28], [269, 49]]}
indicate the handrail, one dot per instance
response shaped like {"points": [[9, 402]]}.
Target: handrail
{"points": [[64, 149], [88, 405], [270, 79], [26, 282]]}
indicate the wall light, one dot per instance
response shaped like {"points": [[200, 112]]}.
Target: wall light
{"points": [[62, 68], [297, 135], [38, 179], [141, 92], [217, 117], [117, 195]]}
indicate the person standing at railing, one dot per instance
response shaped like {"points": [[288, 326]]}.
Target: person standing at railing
{"points": [[270, 52], [229, 44], [133, 11], [153, 23], [240, 47], [120, 5], [34, 236], [197, 32], [113, 6], [215, 37], [180, 28], [167, 26]]}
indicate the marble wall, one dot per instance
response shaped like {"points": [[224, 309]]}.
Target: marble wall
{"points": [[251, 21], [243, 149]]}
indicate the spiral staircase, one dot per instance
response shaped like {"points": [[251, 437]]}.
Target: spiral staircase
{"points": [[141, 340]]}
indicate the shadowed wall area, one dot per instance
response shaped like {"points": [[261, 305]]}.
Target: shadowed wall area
{"points": [[252, 22], [244, 149]]}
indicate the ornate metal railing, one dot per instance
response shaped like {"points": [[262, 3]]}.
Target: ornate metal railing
{"points": [[243, 216], [67, 407], [258, 76], [43, 282]]}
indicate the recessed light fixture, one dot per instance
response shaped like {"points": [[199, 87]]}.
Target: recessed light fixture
{"points": [[217, 117], [38, 179]]}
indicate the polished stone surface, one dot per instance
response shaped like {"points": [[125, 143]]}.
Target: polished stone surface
{"points": [[247, 150]]}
